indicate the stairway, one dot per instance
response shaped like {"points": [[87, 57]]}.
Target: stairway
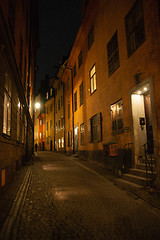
{"points": [[136, 180]]}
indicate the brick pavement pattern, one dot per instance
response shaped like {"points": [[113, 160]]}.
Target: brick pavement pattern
{"points": [[66, 200]]}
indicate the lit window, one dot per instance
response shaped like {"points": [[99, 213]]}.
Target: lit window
{"points": [[117, 117], [7, 106], [40, 123], [40, 135], [62, 142], [59, 141], [51, 91], [18, 119], [47, 95], [92, 75]]}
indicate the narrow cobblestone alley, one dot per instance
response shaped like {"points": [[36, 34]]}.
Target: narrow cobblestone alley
{"points": [[68, 201]]}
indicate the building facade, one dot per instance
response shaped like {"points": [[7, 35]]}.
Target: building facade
{"points": [[18, 42], [112, 82], [49, 120]]}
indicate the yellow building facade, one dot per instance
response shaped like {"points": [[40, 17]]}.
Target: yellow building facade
{"points": [[112, 82]]}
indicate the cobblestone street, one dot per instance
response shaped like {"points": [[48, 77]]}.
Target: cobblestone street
{"points": [[67, 200]]}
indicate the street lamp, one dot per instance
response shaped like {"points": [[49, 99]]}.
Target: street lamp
{"points": [[37, 105]]}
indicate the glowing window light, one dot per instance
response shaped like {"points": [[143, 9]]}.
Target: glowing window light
{"points": [[37, 105]]}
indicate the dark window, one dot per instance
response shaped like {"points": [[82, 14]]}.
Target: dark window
{"points": [[47, 126], [81, 94], [51, 124], [11, 14], [68, 110], [51, 107], [134, 23], [59, 124], [91, 37], [117, 117], [74, 70], [69, 138], [82, 133], [75, 101], [80, 59], [21, 55], [61, 101], [113, 54], [62, 122], [59, 105], [92, 75], [95, 128]]}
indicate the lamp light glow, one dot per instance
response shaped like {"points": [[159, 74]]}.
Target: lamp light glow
{"points": [[37, 105]]}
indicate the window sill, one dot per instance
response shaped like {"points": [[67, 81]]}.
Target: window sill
{"points": [[93, 92], [120, 131], [6, 136]]}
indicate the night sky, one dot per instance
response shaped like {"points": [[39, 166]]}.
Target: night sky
{"points": [[58, 25]]}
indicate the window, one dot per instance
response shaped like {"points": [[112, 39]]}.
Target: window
{"points": [[69, 138], [51, 107], [61, 101], [92, 75], [117, 117], [74, 70], [47, 96], [113, 54], [95, 128], [47, 126], [51, 92], [40, 122], [82, 133], [68, 110], [62, 122], [75, 101], [59, 104], [40, 136], [81, 94], [62, 142], [7, 106], [134, 23], [91, 37], [43, 134], [59, 124], [18, 119], [56, 127], [51, 124], [80, 59]]}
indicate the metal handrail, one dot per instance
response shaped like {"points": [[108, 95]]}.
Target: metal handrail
{"points": [[148, 163]]}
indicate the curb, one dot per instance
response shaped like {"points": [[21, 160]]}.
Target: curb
{"points": [[10, 226]]}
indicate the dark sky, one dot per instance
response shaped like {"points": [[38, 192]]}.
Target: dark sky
{"points": [[59, 21]]}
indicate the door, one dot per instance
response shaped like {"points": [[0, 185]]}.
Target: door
{"points": [[149, 127], [76, 139]]}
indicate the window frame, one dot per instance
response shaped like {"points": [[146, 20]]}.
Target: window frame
{"points": [[117, 117], [82, 135], [137, 29], [93, 80]]}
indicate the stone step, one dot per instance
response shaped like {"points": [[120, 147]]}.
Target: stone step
{"points": [[140, 172], [136, 179], [133, 187], [142, 166]]}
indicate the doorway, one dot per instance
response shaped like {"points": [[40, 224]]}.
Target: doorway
{"points": [[76, 139], [142, 121]]}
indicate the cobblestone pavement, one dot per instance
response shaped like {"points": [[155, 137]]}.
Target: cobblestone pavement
{"points": [[66, 200]]}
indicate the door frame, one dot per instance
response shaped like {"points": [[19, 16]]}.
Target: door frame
{"points": [[148, 81]]}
